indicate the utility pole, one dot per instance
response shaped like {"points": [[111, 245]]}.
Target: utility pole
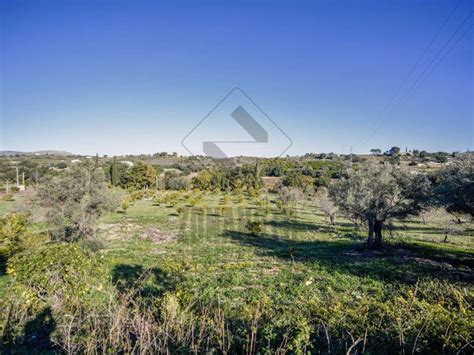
{"points": [[8, 186], [17, 177], [23, 178], [36, 177]]}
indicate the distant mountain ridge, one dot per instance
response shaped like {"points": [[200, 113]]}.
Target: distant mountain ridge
{"points": [[39, 152]]}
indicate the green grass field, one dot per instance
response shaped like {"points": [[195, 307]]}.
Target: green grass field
{"points": [[298, 269]]}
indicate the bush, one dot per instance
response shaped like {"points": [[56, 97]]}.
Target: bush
{"points": [[13, 230], [74, 200], [255, 227], [125, 205], [59, 272], [177, 183]]}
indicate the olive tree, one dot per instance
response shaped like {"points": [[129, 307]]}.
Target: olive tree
{"points": [[454, 187], [289, 195], [374, 194], [74, 200], [328, 208]]}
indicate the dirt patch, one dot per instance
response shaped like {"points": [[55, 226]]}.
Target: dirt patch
{"points": [[157, 236], [118, 231]]}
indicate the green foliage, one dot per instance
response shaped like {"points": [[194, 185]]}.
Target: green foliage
{"points": [[454, 187], [13, 230], [277, 166], [378, 193], [297, 180], [289, 195], [322, 181], [226, 199], [245, 177], [296, 288], [63, 271], [74, 200], [275, 285], [140, 176], [440, 157], [114, 173], [203, 181], [394, 150], [394, 159], [176, 182], [125, 205], [254, 227]]}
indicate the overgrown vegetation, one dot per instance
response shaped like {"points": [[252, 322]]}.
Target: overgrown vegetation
{"points": [[219, 263]]}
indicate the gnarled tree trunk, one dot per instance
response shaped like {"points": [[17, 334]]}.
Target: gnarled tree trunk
{"points": [[378, 226], [370, 237]]}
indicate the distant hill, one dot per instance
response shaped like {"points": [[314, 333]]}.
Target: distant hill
{"points": [[10, 152], [39, 152]]}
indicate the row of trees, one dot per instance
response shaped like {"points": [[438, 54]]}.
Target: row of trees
{"points": [[245, 177], [371, 194]]}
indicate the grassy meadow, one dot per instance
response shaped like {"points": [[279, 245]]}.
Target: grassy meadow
{"points": [[300, 284]]}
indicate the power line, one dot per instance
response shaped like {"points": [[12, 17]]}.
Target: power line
{"points": [[431, 63], [421, 57], [410, 89], [446, 54]]}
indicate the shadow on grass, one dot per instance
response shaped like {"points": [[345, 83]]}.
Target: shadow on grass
{"points": [[38, 331], [3, 265], [153, 282], [403, 263], [36, 338], [302, 226]]}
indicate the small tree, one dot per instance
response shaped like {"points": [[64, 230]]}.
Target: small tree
{"points": [[141, 176], [125, 205], [328, 208], [454, 187], [377, 193], [114, 173], [74, 200], [394, 150], [443, 220], [13, 229], [288, 196]]}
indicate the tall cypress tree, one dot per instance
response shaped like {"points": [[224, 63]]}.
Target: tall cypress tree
{"points": [[114, 175], [96, 163]]}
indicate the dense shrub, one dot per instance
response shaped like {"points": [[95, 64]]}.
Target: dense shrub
{"points": [[254, 227], [245, 177], [178, 183], [74, 200], [13, 230], [56, 272], [297, 180]]}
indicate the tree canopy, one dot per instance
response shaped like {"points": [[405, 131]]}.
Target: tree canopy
{"points": [[454, 187], [74, 200], [377, 193]]}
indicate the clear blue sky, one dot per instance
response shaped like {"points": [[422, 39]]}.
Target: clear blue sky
{"points": [[118, 77]]}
